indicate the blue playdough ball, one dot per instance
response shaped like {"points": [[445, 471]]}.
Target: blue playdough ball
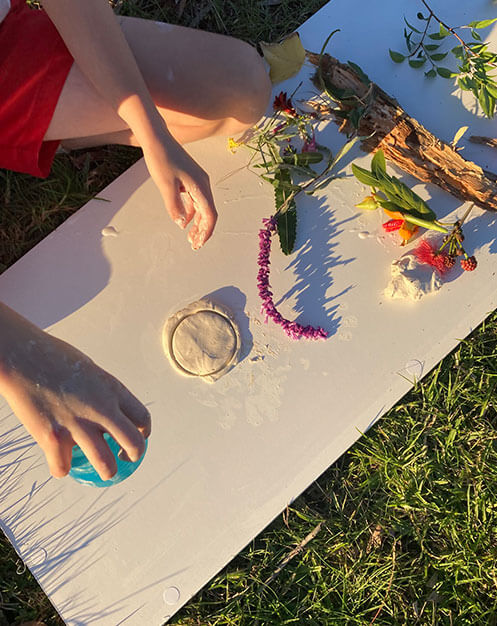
{"points": [[84, 472]]}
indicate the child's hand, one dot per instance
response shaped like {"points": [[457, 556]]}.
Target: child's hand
{"points": [[63, 399], [184, 186]]}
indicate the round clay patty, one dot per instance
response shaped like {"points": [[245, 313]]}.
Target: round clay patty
{"points": [[202, 340], [204, 343]]}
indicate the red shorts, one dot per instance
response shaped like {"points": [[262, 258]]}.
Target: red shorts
{"points": [[34, 64]]}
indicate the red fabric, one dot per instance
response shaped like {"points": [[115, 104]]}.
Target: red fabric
{"points": [[34, 63]]}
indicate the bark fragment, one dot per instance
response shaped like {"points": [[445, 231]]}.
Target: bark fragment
{"points": [[402, 138]]}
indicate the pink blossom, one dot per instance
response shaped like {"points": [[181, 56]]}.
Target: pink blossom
{"points": [[310, 146], [428, 254]]}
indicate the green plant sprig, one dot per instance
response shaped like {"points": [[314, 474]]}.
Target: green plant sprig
{"points": [[289, 167], [393, 195], [474, 59]]}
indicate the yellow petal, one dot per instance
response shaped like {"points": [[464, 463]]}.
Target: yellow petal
{"points": [[285, 58], [233, 145]]}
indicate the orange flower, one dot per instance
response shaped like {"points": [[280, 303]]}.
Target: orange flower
{"points": [[406, 231]]}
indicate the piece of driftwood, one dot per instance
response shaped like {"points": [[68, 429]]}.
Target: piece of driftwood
{"points": [[485, 141], [403, 140]]}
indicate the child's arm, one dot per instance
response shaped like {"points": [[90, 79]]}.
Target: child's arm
{"points": [[93, 36], [63, 398]]}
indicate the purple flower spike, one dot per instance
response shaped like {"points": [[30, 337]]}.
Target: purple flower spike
{"points": [[294, 330]]}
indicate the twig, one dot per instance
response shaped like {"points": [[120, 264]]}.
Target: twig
{"points": [[485, 141], [203, 12], [380, 608], [423, 36], [451, 30], [293, 554], [285, 561], [181, 7]]}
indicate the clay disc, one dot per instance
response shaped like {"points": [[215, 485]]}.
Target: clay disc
{"points": [[202, 340]]}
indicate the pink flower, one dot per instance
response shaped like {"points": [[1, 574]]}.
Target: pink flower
{"points": [[310, 146], [294, 330], [428, 254]]}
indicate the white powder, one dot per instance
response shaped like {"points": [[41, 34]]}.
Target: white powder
{"points": [[412, 280]]}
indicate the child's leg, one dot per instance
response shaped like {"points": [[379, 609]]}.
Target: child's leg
{"points": [[202, 84]]}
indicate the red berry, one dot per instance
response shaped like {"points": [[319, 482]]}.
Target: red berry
{"points": [[449, 261], [469, 264]]}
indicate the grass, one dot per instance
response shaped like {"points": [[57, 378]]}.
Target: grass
{"points": [[403, 527]]}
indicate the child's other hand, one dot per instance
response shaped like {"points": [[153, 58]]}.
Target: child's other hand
{"points": [[63, 399], [184, 187]]}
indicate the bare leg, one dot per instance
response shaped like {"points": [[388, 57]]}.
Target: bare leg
{"points": [[183, 134], [202, 84]]}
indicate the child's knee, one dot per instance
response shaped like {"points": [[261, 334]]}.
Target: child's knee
{"points": [[251, 85]]}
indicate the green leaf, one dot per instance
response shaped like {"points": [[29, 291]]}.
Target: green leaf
{"points": [[432, 46], [283, 184], [430, 73], [437, 36], [358, 70], [408, 37], [475, 35], [466, 83], [335, 93], [378, 164], [477, 46], [443, 31], [416, 63], [405, 196], [355, 116], [303, 158], [272, 181], [440, 56], [482, 23], [343, 150], [364, 176], [444, 72], [305, 170], [391, 206], [459, 53], [492, 89], [396, 56], [486, 101], [286, 211], [287, 229], [412, 27]]}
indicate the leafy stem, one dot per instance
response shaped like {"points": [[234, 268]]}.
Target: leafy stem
{"points": [[448, 28], [474, 59], [423, 36]]}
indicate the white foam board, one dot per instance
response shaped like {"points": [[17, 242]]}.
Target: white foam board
{"points": [[225, 459]]}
